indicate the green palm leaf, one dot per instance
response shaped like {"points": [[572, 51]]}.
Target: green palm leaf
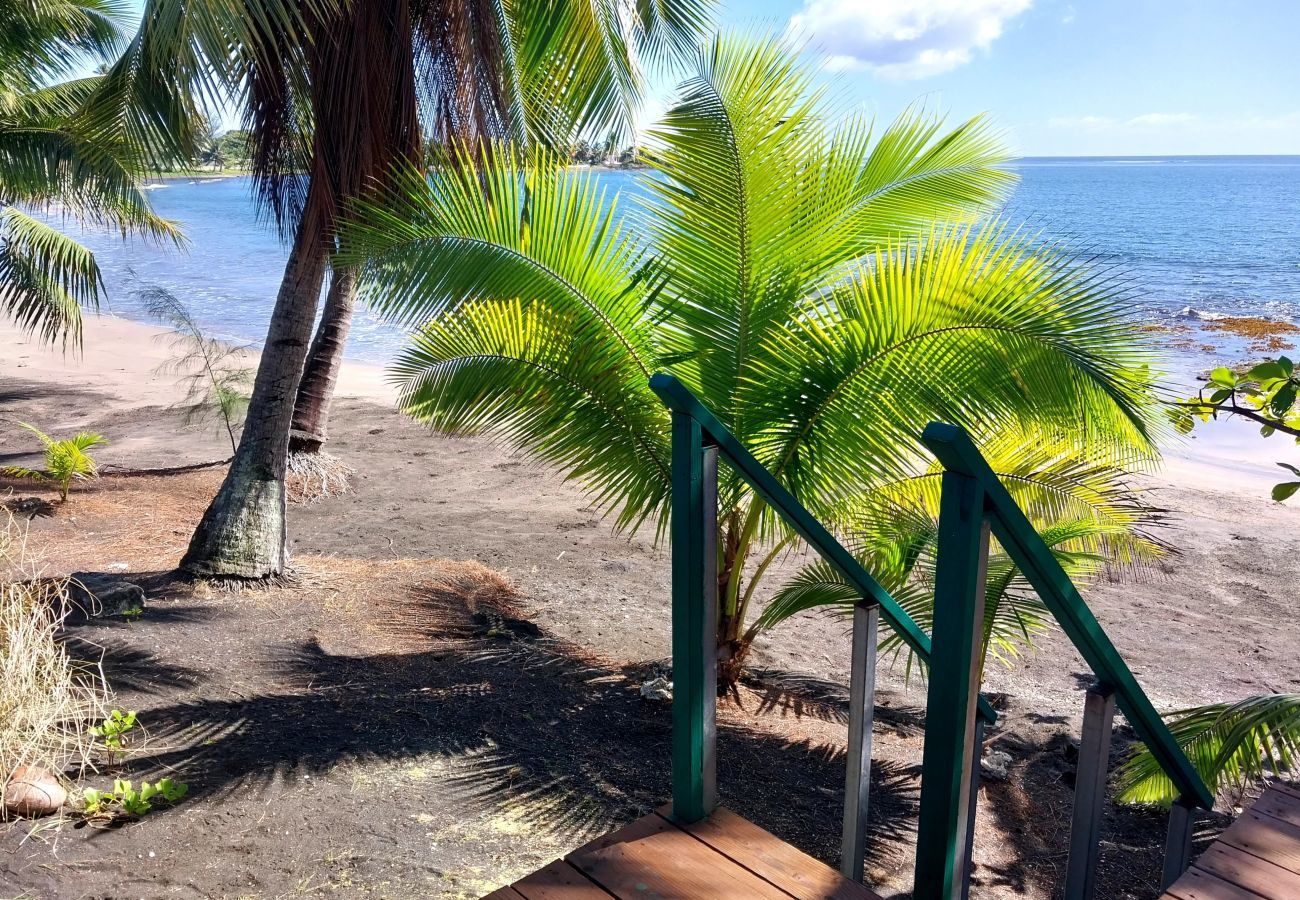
{"points": [[1230, 744], [798, 275]]}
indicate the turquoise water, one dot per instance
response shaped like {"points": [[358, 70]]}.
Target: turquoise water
{"points": [[1197, 236]]}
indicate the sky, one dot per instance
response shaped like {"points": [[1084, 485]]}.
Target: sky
{"points": [[1059, 77], [1067, 77]]}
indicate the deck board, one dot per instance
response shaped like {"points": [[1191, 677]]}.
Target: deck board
{"points": [[1257, 858], [724, 857]]}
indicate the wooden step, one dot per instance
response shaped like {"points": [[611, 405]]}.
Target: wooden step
{"points": [[722, 857], [1257, 858]]}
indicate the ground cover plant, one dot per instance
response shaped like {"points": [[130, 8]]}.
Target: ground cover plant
{"points": [[818, 282], [67, 460]]}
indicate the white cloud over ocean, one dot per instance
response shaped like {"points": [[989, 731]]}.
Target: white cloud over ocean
{"points": [[904, 40]]}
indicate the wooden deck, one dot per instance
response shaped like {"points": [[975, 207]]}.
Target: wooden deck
{"points": [[1257, 858], [720, 858]]}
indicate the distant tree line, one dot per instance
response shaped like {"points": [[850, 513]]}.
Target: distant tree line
{"points": [[606, 153]]}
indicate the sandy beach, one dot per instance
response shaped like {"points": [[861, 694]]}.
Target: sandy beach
{"points": [[1214, 621], [1231, 572]]}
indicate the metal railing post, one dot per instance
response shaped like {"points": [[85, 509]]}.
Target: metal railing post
{"points": [[857, 781], [695, 604], [1090, 792], [1178, 844], [948, 761]]}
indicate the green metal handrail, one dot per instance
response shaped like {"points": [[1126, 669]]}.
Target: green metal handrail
{"points": [[974, 506], [678, 398], [1021, 541]]}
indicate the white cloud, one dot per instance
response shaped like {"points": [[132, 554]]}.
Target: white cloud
{"points": [[1162, 120], [904, 40], [1108, 123]]}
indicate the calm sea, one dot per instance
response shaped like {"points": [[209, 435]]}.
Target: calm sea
{"points": [[1198, 236]]}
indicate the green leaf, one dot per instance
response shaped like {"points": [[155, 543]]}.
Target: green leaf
{"points": [[1283, 400], [1285, 489], [1266, 371], [1223, 377]]}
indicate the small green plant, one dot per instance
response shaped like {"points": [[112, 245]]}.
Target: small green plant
{"points": [[133, 613], [114, 733], [216, 376], [65, 460], [125, 800], [1265, 394]]}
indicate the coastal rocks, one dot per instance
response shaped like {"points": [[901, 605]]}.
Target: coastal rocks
{"points": [[100, 596], [32, 791]]}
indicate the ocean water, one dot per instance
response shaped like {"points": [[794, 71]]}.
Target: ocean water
{"points": [[1197, 237]]}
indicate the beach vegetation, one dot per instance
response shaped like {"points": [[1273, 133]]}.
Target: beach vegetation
{"points": [[215, 375], [48, 700], [822, 284], [126, 800], [1232, 745], [1267, 394], [67, 460], [331, 117]]}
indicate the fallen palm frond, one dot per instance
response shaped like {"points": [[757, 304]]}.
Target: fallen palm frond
{"points": [[48, 701]]}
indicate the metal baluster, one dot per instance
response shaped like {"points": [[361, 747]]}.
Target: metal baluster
{"points": [[857, 781], [942, 856], [1178, 845], [1090, 792], [695, 620]]}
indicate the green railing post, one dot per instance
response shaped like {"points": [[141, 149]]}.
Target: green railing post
{"points": [[695, 600], [948, 760]]}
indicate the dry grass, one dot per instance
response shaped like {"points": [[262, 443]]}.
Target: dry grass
{"points": [[47, 700], [315, 476]]}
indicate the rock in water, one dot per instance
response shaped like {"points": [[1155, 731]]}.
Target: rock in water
{"points": [[33, 791], [100, 596]]}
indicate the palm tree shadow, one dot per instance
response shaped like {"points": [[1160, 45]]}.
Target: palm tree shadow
{"points": [[1032, 809], [515, 721]]}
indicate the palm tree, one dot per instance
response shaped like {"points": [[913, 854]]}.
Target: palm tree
{"points": [[792, 273], [334, 112], [66, 146]]}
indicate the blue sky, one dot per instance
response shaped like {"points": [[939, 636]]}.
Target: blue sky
{"points": [[1069, 77], [1063, 77]]}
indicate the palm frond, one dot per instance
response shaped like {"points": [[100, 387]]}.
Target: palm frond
{"points": [[45, 277], [1230, 744]]}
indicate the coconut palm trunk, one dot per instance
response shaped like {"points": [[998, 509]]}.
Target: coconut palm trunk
{"points": [[242, 533], [320, 375]]}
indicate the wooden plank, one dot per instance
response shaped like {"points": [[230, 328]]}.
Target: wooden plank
{"points": [[1200, 885], [654, 858], [1250, 872], [1266, 837], [773, 860], [505, 893], [1280, 805], [559, 881], [1293, 790]]}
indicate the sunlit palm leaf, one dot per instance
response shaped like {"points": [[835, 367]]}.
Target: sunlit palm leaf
{"points": [[1230, 745]]}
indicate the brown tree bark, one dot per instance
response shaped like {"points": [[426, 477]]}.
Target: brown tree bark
{"points": [[242, 534], [312, 408]]}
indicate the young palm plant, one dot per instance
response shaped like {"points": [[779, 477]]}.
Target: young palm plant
{"points": [[793, 271], [66, 460]]}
